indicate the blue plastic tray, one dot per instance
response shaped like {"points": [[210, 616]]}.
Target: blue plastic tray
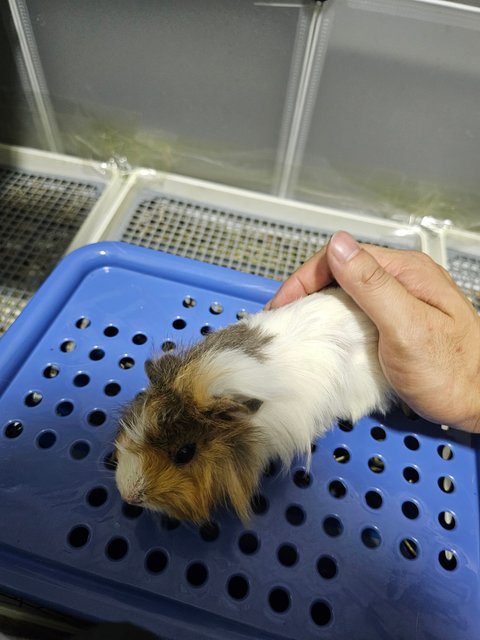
{"points": [[380, 541]]}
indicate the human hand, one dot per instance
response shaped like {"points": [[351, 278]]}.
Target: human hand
{"points": [[429, 333]]}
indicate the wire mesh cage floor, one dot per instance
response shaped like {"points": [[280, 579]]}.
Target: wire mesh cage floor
{"points": [[378, 540], [44, 200]]}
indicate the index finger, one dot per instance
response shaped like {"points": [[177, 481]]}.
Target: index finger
{"points": [[311, 276]]}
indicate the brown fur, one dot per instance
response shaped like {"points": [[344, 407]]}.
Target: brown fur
{"points": [[176, 410]]}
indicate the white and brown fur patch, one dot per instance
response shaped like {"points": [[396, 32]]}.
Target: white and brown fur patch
{"points": [[180, 408], [263, 388]]}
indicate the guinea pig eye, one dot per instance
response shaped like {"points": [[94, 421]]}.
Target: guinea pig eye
{"points": [[185, 454]]}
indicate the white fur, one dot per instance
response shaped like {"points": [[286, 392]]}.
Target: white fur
{"points": [[321, 365], [129, 476]]}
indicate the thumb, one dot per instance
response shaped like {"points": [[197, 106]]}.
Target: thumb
{"points": [[381, 296]]}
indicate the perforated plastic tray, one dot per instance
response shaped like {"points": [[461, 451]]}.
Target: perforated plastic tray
{"points": [[380, 540]]}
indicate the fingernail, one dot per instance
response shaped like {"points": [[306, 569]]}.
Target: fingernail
{"points": [[343, 246]]}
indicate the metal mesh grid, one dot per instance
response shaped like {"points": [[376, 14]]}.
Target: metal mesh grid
{"points": [[465, 270], [39, 215], [229, 239]]}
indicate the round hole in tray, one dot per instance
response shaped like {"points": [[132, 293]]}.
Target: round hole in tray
{"points": [[271, 470], [110, 461], [64, 408], [189, 302], [112, 389], [13, 429], [197, 574], [126, 362], [337, 489], [111, 331], [445, 451], [97, 496], [117, 548], [411, 442], [96, 354], [179, 324], [243, 313], [376, 464], [447, 520], [216, 308], [373, 499], [371, 537], [409, 549], [287, 555], [81, 380], [206, 329], [333, 526], [378, 433], [446, 484], [295, 515], [46, 439], [327, 567], [447, 560], [248, 543], [321, 613], [51, 371], [79, 536], [170, 524], [67, 346], [168, 345], [238, 587], [79, 450], [131, 511], [259, 504], [279, 600], [156, 561], [209, 531], [302, 478], [410, 510], [341, 455], [411, 475], [345, 425], [83, 322], [33, 399], [96, 418], [139, 338]]}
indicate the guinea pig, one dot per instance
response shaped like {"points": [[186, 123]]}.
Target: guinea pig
{"points": [[214, 415]]}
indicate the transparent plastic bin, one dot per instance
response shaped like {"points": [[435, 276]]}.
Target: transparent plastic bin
{"points": [[45, 198]]}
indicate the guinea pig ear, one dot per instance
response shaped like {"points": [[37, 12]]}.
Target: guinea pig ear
{"points": [[252, 405], [157, 369], [150, 369], [237, 407]]}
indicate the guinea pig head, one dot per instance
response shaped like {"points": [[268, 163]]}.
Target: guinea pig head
{"points": [[183, 451]]}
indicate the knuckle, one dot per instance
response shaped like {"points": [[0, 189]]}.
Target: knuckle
{"points": [[374, 278]]}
